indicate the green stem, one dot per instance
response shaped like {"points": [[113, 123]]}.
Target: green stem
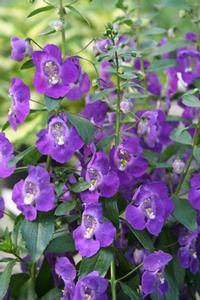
{"points": [[131, 272], [48, 163], [189, 161], [62, 15], [113, 281], [118, 110]]}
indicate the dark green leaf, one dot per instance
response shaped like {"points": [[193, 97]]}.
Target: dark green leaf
{"points": [[130, 292], [5, 278], [101, 94], [161, 65], [173, 291], [182, 136], [20, 156], [196, 153], [80, 186], [32, 157], [27, 65], [184, 213], [51, 103], [5, 126], [111, 210], [27, 292], [40, 10], [61, 244], [191, 101], [179, 272], [85, 128], [143, 237], [38, 234], [44, 281], [16, 282], [105, 143], [54, 294], [99, 262], [65, 207]]}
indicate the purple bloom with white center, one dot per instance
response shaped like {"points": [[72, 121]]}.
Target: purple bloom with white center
{"points": [[103, 181], [34, 193], [58, 140], [91, 287], [6, 154], [53, 76], [127, 159], [20, 48], [95, 111], [188, 253], [94, 232], [66, 270], [150, 208], [194, 192], [2, 207], [20, 107], [153, 278], [189, 64], [81, 85]]}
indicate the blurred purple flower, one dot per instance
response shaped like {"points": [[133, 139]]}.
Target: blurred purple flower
{"points": [[20, 48], [194, 192], [6, 154], [20, 107]]}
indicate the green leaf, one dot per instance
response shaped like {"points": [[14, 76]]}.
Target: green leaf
{"points": [[5, 278], [80, 186], [51, 103], [173, 291], [196, 153], [111, 211], [61, 244], [54, 294], [47, 32], [179, 272], [20, 156], [161, 65], [38, 234], [16, 282], [65, 207], [184, 213], [143, 237], [169, 47], [27, 292], [40, 10], [27, 65], [102, 94], [182, 136], [32, 157], [191, 101], [130, 292], [44, 280], [99, 262], [154, 31], [105, 143], [76, 11], [85, 128]]}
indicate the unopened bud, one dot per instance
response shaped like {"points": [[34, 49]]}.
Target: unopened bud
{"points": [[178, 166], [57, 25]]}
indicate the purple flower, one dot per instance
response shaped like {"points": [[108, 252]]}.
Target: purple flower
{"points": [[153, 278], [178, 166], [91, 287], [6, 154], [188, 252], [81, 85], [53, 77], [103, 181], [94, 232], [20, 108], [189, 64], [102, 46], [191, 36], [2, 207], [34, 193], [20, 48], [95, 111], [150, 208], [194, 192], [154, 85], [153, 128], [127, 159], [66, 270], [58, 140]]}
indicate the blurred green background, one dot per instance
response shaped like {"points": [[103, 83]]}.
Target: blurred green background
{"points": [[14, 22]]}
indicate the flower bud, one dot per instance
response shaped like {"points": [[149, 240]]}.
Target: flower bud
{"points": [[178, 166], [57, 25]]}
